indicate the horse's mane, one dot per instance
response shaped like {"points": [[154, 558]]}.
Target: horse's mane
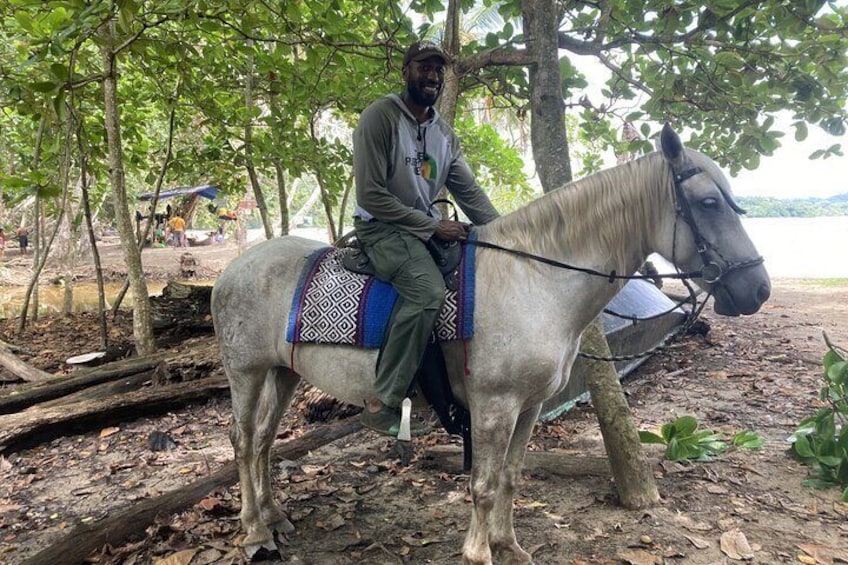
{"points": [[601, 211]]}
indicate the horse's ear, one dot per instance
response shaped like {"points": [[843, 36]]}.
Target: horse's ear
{"points": [[671, 145]]}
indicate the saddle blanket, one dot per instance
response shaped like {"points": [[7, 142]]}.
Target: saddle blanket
{"points": [[334, 305]]}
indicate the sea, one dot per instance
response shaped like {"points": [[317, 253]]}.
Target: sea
{"points": [[793, 248], [810, 248]]}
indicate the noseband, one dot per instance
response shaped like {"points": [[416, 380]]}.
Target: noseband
{"points": [[711, 269]]}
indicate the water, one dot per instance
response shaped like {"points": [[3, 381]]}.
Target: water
{"points": [[51, 297], [810, 248]]}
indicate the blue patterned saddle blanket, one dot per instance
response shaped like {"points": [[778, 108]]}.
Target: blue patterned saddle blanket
{"points": [[334, 305]]}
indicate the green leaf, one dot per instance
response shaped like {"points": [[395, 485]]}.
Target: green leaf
{"points": [[685, 425], [45, 86], [838, 372], [650, 437], [802, 448], [800, 131], [829, 460], [748, 440], [674, 451]]}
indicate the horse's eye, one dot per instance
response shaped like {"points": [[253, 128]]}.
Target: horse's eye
{"points": [[710, 203]]}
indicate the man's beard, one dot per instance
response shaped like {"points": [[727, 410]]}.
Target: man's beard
{"points": [[421, 98]]}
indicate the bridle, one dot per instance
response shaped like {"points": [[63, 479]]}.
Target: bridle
{"points": [[711, 271]]}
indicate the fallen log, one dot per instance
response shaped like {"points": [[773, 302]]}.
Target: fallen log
{"points": [[20, 369], [80, 542], [448, 458], [27, 395], [28, 427], [109, 389]]}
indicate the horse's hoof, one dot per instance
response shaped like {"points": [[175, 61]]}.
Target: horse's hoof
{"points": [[264, 551]]}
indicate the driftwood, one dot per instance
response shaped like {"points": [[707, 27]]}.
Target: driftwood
{"points": [[25, 428], [76, 546], [27, 395], [20, 369]]}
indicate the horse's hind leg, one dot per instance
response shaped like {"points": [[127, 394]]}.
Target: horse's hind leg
{"points": [[502, 535], [259, 400], [277, 392]]}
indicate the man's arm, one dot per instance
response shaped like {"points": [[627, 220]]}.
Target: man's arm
{"points": [[468, 194]]}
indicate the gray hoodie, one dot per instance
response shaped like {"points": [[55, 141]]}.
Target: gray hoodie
{"points": [[400, 166]]}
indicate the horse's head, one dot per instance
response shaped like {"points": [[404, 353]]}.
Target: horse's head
{"points": [[705, 233]]}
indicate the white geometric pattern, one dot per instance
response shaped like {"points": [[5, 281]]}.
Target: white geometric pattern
{"points": [[332, 306]]}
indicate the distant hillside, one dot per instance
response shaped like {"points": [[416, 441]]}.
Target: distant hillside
{"points": [[767, 207]]}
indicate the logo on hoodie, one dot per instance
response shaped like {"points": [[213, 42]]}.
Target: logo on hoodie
{"points": [[424, 165]]}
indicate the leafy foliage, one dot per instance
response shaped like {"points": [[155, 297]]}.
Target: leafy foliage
{"points": [[721, 70], [821, 440], [766, 207], [683, 440]]}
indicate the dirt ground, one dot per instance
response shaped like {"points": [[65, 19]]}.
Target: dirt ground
{"points": [[351, 502]]}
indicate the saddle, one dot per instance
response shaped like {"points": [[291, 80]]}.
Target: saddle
{"points": [[446, 254]]}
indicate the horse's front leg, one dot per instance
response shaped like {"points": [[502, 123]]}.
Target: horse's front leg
{"points": [[502, 536], [492, 424]]}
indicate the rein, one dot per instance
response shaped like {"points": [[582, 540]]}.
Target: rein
{"points": [[611, 277], [711, 272]]}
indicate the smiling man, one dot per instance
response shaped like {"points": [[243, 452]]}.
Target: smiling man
{"points": [[403, 154]]}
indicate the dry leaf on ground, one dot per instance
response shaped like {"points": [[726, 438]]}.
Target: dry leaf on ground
{"points": [[735, 545]]}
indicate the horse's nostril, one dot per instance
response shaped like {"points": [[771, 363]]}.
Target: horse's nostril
{"points": [[763, 292]]}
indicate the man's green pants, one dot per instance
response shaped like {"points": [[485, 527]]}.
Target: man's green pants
{"points": [[402, 260]]}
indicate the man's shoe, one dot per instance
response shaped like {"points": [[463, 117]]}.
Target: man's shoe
{"points": [[387, 421]]}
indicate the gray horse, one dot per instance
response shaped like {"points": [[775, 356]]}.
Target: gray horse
{"points": [[529, 317]]}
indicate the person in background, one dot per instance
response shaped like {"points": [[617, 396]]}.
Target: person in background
{"points": [[403, 154], [2, 243], [23, 239], [178, 227]]}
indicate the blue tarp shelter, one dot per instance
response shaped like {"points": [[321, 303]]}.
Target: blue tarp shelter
{"points": [[206, 191]]}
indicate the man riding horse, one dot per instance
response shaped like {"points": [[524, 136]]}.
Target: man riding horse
{"points": [[403, 153]]}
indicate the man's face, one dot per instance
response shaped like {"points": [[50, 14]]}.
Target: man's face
{"points": [[424, 80]]}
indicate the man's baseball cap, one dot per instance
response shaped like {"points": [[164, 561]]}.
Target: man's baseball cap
{"points": [[421, 50]]}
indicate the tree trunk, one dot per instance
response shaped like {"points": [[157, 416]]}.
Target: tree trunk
{"points": [[283, 197], [451, 45], [633, 476], [248, 148], [187, 308], [80, 542], [547, 123], [142, 328]]}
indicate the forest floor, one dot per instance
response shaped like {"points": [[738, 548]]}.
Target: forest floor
{"points": [[352, 501]]}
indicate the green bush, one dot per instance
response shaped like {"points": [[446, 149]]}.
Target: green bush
{"points": [[821, 440]]}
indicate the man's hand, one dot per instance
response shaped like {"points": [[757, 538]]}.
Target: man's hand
{"points": [[449, 230]]}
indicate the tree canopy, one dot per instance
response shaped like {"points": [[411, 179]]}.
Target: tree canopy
{"points": [[261, 97]]}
